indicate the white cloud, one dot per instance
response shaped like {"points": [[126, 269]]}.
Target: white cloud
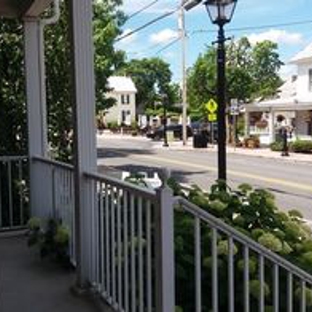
{"points": [[278, 36], [164, 36]]}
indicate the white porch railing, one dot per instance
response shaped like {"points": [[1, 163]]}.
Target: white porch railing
{"points": [[55, 196], [126, 238], [13, 192], [133, 233], [233, 284]]}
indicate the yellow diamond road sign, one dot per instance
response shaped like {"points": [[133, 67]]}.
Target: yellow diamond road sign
{"points": [[212, 117], [212, 106]]}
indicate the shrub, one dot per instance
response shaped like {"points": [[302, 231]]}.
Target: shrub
{"points": [[254, 213], [301, 146], [52, 239], [276, 146]]}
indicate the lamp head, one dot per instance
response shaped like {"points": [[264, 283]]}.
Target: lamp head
{"points": [[220, 11]]}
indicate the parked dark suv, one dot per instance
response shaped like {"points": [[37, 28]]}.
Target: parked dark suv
{"points": [[158, 133]]}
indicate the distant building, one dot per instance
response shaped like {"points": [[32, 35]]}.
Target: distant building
{"points": [[124, 91], [292, 107]]}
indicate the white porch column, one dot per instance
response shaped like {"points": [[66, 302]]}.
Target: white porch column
{"points": [[271, 126], [36, 110], [247, 123], [83, 96]]}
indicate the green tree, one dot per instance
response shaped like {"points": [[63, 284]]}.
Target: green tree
{"points": [[13, 140], [251, 72], [265, 65], [13, 133], [201, 83], [107, 21], [149, 74]]}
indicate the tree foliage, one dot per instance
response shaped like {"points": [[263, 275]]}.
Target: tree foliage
{"points": [[254, 213], [251, 73], [152, 76], [107, 22], [13, 134]]}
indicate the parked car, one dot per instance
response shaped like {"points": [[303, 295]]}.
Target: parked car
{"points": [[158, 133]]}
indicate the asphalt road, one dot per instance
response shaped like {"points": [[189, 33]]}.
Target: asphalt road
{"points": [[290, 182]]}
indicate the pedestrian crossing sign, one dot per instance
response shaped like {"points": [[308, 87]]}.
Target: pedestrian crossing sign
{"points": [[212, 106]]}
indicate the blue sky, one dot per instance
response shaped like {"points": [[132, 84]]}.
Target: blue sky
{"points": [[249, 13]]}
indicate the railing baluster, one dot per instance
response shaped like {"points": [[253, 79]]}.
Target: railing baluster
{"points": [[96, 224], [215, 286], [1, 216], [149, 257], [290, 292], [133, 264], [102, 244], [261, 279], [107, 240], [140, 239], [303, 296], [21, 201], [231, 274], [119, 193], [198, 286], [276, 288], [246, 279], [113, 243], [10, 193], [126, 263]]}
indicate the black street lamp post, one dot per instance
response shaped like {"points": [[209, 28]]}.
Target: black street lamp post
{"points": [[165, 121], [221, 12]]}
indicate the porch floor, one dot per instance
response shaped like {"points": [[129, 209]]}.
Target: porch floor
{"points": [[28, 284]]}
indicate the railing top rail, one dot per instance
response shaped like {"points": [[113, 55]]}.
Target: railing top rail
{"points": [[150, 194], [13, 158], [53, 162], [243, 239]]}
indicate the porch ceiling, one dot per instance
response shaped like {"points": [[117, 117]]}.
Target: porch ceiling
{"points": [[22, 8]]}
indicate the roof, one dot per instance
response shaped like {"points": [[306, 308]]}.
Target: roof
{"points": [[303, 55], [121, 84], [287, 99], [20, 8]]}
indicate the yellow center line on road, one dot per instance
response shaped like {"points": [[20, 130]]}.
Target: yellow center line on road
{"points": [[256, 177]]}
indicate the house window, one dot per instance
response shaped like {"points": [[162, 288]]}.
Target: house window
{"points": [[310, 80], [125, 99]]}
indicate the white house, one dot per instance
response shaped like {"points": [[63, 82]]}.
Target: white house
{"points": [[292, 107], [124, 91]]}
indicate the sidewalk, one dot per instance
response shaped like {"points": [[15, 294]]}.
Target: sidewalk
{"points": [[178, 145], [257, 152]]}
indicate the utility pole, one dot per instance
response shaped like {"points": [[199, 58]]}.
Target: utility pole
{"points": [[182, 35]]}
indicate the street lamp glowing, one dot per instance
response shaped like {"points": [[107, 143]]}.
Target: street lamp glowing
{"points": [[220, 11]]}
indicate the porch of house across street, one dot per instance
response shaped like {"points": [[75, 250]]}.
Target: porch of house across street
{"points": [[122, 237], [291, 108]]}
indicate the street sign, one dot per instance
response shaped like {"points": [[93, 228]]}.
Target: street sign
{"points": [[212, 117], [212, 106]]}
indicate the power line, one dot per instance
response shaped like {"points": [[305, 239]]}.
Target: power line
{"points": [[255, 27], [153, 21], [141, 10], [168, 45], [151, 47]]}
